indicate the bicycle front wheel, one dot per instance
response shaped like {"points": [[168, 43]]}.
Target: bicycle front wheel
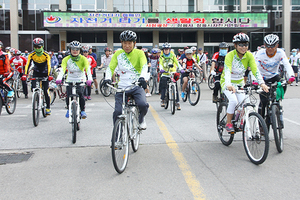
{"points": [[35, 109], [172, 100], [135, 136], [167, 98], [256, 138], [11, 104], [44, 105], [224, 136], [277, 128], [105, 90], [74, 121], [194, 93], [120, 146], [211, 82]]}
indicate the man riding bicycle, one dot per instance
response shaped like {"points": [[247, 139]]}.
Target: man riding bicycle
{"points": [[166, 59], [268, 61], [42, 68], [131, 64], [217, 67], [77, 65], [236, 63], [5, 72]]}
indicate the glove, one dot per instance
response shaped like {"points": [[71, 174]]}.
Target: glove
{"points": [[182, 71], [105, 82], [142, 83], [50, 78], [88, 82], [292, 79], [213, 73], [254, 83], [58, 82], [23, 78], [162, 71]]}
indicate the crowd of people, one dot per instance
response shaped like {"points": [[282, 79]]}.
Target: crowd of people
{"points": [[230, 69]]}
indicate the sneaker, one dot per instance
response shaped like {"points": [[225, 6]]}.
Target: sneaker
{"points": [[67, 114], [148, 95], [10, 94], [48, 111], [83, 115], [296, 84], [215, 99], [162, 103], [182, 95], [229, 128], [96, 91], [291, 84], [143, 125], [85, 97], [178, 106], [89, 98]]}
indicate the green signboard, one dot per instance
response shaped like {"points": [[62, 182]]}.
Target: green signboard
{"points": [[155, 20]]}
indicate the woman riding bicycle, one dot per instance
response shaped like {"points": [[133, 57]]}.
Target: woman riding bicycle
{"points": [[77, 65], [236, 63]]}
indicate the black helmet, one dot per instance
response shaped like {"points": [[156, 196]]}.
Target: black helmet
{"points": [[223, 45], [128, 35]]}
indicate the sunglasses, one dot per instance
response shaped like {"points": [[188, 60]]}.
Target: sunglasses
{"points": [[243, 44], [75, 49], [85, 51], [37, 47], [270, 46]]}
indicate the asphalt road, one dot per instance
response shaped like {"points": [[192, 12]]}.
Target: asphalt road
{"points": [[180, 157]]}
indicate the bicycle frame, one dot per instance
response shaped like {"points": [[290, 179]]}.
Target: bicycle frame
{"points": [[40, 92], [74, 97]]}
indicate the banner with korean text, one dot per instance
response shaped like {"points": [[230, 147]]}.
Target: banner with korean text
{"points": [[155, 20]]}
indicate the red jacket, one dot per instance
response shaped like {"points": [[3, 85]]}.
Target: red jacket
{"points": [[4, 64], [19, 63]]}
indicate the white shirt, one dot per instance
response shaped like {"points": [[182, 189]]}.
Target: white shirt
{"points": [[202, 58], [268, 67], [105, 60]]}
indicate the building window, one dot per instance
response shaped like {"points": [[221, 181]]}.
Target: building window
{"points": [[131, 5]]}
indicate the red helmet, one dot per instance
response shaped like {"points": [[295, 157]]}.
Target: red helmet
{"points": [[17, 52], [38, 42], [107, 49]]}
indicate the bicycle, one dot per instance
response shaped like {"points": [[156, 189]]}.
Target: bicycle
{"points": [[126, 129], [9, 102], [17, 84], [38, 100], [171, 92], [192, 90], [274, 115], [211, 81], [199, 76], [57, 90], [74, 108], [153, 82], [247, 120]]}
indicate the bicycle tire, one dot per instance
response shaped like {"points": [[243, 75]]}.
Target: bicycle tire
{"points": [[105, 90], [52, 96], [167, 98], [257, 145], [211, 82], [172, 100], [135, 140], [44, 106], [201, 76], [74, 121], [151, 85], [19, 88], [277, 128], [186, 93], [224, 136], [194, 93], [120, 146], [11, 104], [35, 109], [1, 104]]}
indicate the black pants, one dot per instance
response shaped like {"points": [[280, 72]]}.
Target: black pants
{"points": [[80, 90], [140, 100], [217, 85], [163, 87], [45, 86], [24, 85], [264, 96]]}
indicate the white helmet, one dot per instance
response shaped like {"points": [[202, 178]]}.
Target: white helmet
{"points": [[193, 48], [271, 39], [240, 37], [188, 51], [294, 50]]}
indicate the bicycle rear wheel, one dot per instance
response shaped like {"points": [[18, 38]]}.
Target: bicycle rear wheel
{"points": [[135, 137], [194, 93], [256, 141], [172, 100], [74, 121], [35, 109], [105, 90], [277, 128], [211, 82], [120, 146], [224, 136], [11, 103], [151, 85]]}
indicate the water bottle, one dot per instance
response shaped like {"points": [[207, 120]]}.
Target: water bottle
{"points": [[237, 114]]}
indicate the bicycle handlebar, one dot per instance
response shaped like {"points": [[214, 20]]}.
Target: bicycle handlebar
{"points": [[124, 89]]}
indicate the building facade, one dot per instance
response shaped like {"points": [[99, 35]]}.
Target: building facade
{"points": [[23, 20]]}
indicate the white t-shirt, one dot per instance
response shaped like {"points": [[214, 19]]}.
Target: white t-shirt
{"points": [[268, 67], [105, 60]]}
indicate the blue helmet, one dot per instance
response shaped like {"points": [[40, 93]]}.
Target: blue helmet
{"points": [[154, 51]]}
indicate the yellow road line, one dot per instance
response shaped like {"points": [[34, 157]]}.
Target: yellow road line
{"points": [[189, 177]]}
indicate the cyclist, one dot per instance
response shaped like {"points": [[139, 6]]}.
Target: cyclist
{"points": [[91, 53], [5, 72], [154, 60], [217, 67], [268, 61], [294, 60], [42, 68], [76, 65], [92, 65], [165, 59], [187, 65], [19, 63], [132, 66], [236, 63]]}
